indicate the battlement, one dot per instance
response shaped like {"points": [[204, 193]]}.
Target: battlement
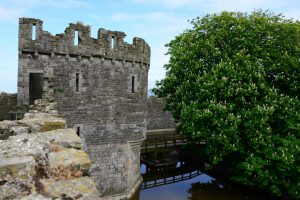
{"points": [[77, 41]]}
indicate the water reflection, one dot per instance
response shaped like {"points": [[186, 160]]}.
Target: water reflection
{"points": [[184, 181], [178, 172]]}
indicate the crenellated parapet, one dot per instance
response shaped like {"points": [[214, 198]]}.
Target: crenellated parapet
{"points": [[77, 41]]}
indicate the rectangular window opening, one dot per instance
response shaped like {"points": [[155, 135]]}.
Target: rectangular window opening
{"points": [[132, 84], [113, 42], [77, 82], [78, 131], [33, 33], [76, 38]]}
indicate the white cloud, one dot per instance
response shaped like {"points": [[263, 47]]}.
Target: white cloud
{"points": [[10, 10], [162, 24], [240, 5], [7, 14], [173, 3], [154, 16], [64, 3], [53, 3], [159, 59], [286, 7]]}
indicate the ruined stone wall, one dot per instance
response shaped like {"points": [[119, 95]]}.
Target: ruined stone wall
{"points": [[8, 102], [100, 87], [158, 118]]}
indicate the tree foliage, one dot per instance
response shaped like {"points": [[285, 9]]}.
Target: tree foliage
{"points": [[233, 80]]}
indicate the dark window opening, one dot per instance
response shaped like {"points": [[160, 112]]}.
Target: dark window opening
{"points": [[132, 84], [33, 33], [78, 131], [77, 82], [76, 38], [35, 87]]}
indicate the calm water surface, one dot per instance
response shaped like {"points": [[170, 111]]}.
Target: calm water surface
{"points": [[195, 185]]}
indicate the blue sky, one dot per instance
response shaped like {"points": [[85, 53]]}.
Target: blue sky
{"points": [[157, 21]]}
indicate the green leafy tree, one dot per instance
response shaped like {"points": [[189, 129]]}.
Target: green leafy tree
{"points": [[233, 80]]}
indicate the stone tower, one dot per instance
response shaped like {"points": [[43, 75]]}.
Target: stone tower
{"points": [[100, 85]]}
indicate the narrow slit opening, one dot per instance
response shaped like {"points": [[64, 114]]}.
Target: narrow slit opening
{"points": [[78, 131], [33, 33], [76, 38], [113, 42], [132, 84], [77, 82]]}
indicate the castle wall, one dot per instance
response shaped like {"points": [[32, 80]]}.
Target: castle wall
{"points": [[100, 87], [8, 102], [157, 118]]}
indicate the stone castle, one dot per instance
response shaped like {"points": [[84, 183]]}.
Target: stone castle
{"points": [[100, 85]]}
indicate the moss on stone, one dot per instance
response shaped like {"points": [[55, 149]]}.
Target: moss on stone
{"points": [[49, 126]]}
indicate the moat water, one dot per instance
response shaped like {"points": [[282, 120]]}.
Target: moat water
{"points": [[184, 181]]}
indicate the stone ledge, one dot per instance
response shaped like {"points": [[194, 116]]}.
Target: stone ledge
{"points": [[17, 168], [84, 186], [65, 137], [69, 158]]}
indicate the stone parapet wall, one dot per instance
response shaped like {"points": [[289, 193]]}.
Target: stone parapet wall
{"points": [[8, 102], [109, 44], [157, 118]]}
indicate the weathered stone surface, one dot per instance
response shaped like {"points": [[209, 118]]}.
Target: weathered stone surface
{"points": [[39, 145], [15, 189], [43, 105], [22, 146], [70, 157], [84, 186], [18, 130], [17, 168], [65, 137], [42, 119], [20, 155], [10, 128], [5, 127], [35, 196], [42, 122], [7, 124]]}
